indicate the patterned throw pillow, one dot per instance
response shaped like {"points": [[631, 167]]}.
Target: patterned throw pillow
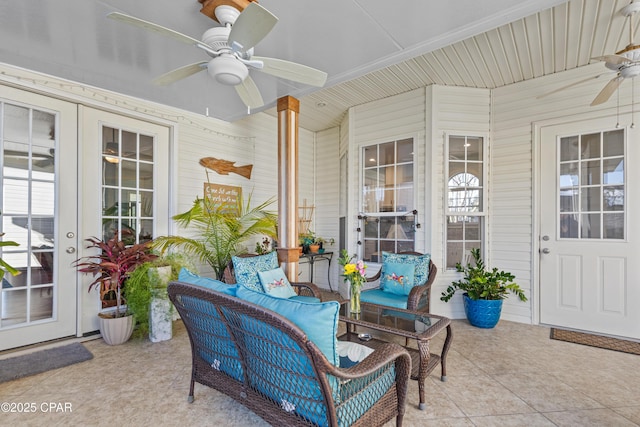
{"points": [[420, 263], [247, 268], [275, 283], [397, 278]]}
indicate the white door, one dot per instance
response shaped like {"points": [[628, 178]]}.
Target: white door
{"points": [[38, 159], [589, 234], [124, 186]]}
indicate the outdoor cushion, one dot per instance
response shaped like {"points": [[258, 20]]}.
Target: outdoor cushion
{"points": [[318, 320], [188, 277], [274, 282], [305, 298], [380, 297], [247, 268], [352, 353], [397, 278], [420, 263]]}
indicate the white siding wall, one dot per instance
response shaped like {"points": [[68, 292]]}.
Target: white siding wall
{"points": [[327, 202], [450, 110], [513, 237]]}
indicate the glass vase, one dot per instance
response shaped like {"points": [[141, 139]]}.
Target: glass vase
{"points": [[355, 299]]}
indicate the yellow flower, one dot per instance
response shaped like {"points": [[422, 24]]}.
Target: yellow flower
{"points": [[349, 269]]}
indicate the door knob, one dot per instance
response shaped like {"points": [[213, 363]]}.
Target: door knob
{"points": [[545, 251], [71, 250]]}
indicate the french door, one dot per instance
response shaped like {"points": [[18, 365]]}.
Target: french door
{"points": [[38, 163], [589, 233]]}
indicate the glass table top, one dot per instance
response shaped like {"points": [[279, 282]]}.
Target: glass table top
{"points": [[396, 320]]}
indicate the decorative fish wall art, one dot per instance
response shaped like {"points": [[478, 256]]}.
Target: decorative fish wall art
{"points": [[224, 167]]}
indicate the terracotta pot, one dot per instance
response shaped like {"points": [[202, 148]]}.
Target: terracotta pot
{"points": [[314, 248]]}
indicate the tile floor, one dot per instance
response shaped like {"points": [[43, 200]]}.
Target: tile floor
{"points": [[513, 375]]}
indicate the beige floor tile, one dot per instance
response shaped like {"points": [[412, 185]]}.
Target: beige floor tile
{"points": [[512, 375]]}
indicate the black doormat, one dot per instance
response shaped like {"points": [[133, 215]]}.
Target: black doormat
{"points": [[42, 361], [596, 341]]}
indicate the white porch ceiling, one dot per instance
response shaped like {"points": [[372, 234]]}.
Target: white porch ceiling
{"points": [[371, 49]]}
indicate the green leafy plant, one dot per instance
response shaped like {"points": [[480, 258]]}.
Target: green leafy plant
{"points": [[112, 266], [143, 284], [220, 231], [4, 267], [263, 247], [480, 283]]}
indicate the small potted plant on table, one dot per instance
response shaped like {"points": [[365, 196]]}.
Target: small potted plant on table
{"points": [[484, 291]]}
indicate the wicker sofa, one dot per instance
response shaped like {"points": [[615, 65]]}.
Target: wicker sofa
{"points": [[266, 362]]}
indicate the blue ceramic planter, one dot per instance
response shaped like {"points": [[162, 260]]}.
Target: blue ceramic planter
{"points": [[482, 313]]}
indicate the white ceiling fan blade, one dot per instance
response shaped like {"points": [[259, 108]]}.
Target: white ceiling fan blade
{"points": [[249, 93], [612, 59], [153, 27], [252, 25], [180, 73], [579, 82], [292, 71], [607, 91]]}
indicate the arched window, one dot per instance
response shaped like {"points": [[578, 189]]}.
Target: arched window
{"points": [[465, 197]]}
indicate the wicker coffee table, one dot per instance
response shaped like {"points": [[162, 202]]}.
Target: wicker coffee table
{"points": [[419, 326]]}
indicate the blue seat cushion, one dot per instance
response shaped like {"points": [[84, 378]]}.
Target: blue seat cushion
{"points": [[305, 298], [188, 277], [319, 321], [246, 268], [380, 297]]}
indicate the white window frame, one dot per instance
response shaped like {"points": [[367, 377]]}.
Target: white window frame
{"points": [[392, 214], [483, 213]]}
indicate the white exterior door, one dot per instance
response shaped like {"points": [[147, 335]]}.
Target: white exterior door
{"points": [[125, 186], [38, 159], [589, 234]]}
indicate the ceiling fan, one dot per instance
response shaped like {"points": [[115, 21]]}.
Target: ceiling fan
{"points": [[230, 47], [625, 63]]}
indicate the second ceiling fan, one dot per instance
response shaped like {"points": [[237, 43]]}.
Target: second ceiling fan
{"points": [[230, 47]]}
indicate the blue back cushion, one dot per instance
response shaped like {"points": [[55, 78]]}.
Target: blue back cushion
{"points": [[206, 282], [319, 321], [275, 283], [397, 278], [246, 268], [420, 263]]}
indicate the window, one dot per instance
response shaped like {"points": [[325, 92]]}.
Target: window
{"points": [[127, 185], [592, 186], [465, 197], [388, 219]]}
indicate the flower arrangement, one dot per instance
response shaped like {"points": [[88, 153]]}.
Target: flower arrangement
{"points": [[354, 273]]}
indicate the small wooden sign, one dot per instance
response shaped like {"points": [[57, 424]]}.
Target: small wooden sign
{"points": [[223, 194]]}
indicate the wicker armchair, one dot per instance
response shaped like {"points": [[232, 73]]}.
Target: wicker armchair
{"points": [[419, 299], [306, 289], [268, 364]]}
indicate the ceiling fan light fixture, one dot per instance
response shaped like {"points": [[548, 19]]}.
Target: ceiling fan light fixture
{"points": [[217, 37], [226, 69]]}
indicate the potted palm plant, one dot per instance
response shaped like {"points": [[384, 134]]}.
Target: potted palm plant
{"points": [[110, 268], [220, 231], [484, 290]]}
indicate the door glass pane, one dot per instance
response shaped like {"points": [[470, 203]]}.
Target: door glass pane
{"points": [[28, 183], [583, 201]]}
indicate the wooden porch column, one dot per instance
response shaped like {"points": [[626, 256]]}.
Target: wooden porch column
{"points": [[288, 109]]}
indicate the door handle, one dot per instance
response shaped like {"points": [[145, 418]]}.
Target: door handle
{"points": [[546, 250], [71, 250]]}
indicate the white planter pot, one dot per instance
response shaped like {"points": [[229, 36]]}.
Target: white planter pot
{"points": [[160, 308], [115, 330]]}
